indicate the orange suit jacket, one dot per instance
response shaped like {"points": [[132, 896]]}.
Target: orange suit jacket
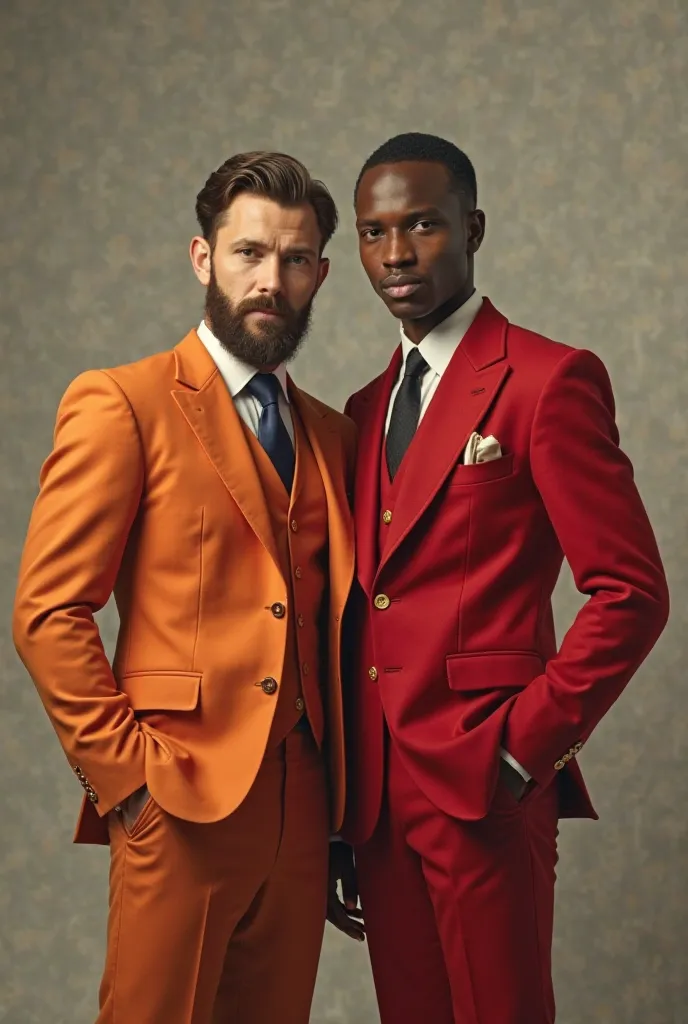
{"points": [[151, 492]]}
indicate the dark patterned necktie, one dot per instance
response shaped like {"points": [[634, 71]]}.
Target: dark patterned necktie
{"points": [[405, 411], [272, 433]]}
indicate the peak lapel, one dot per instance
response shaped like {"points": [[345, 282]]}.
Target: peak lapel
{"points": [[463, 398], [371, 432], [328, 451], [212, 416]]}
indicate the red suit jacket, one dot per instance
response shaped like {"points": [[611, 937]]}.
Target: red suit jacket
{"points": [[462, 657]]}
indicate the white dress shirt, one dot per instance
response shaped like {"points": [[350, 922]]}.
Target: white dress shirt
{"points": [[437, 349], [237, 374]]}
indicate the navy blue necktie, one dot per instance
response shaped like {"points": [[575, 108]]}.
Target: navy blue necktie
{"points": [[272, 433]]}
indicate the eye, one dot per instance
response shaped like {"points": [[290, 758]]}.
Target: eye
{"points": [[298, 260], [425, 225], [248, 253], [371, 233]]}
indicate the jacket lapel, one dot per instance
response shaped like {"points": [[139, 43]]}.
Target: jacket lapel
{"points": [[210, 412], [324, 439], [462, 401], [367, 489]]}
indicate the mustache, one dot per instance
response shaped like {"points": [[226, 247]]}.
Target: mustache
{"points": [[264, 305]]}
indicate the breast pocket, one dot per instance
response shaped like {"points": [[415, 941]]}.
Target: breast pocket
{"points": [[482, 472]]}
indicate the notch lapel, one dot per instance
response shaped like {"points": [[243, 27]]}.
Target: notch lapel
{"points": [[210, 412], [462, 401], [367, 487]]}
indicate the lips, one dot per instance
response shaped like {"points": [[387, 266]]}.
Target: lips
{"points": [[401, 286]]}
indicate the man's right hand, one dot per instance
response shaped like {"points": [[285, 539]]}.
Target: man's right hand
{"points": [[346, 916], [131, 808]]}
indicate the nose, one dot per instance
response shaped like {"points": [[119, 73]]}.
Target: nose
{"points": [[270, 275], [398, 250]]}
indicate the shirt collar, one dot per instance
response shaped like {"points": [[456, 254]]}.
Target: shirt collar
{"points": [[235, 372], [438, 347]]}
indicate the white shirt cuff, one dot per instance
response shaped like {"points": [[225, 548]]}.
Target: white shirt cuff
{"points": [[506, 756]]}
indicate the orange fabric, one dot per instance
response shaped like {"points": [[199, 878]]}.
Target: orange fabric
{"points": [[151, 491], [222, 922], [299, 526]]}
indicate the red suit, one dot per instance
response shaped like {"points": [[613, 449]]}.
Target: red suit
{"points": [[456, 657]]}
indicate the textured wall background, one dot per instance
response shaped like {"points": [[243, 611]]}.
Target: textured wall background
{"points": [[575, 114]]}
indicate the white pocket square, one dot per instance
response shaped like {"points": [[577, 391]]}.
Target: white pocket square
{"points": [[481, 449]]}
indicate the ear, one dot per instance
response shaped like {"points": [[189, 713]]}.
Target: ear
{"points": [[476, 231], [201, 259], [323, 271]]}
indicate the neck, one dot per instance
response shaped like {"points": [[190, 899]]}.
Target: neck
{"points": [[416, 330]]}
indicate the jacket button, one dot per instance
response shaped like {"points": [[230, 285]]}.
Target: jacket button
{"points": [[278, 610], [298, 572], [559, 765], [381, 601], [299, 704], [294, 526], [387, 517], [300, 620], [269, 685], [372, 672]]}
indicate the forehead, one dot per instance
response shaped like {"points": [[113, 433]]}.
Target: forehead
{"points": [[262, 219], [398, 188]]}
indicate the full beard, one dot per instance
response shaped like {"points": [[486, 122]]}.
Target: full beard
{"points": [[271, 342]]}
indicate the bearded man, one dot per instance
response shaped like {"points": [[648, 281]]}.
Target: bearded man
{"points": [[209, 493]]}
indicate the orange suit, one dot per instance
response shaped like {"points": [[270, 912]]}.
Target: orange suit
{"points": [[230, 608]]}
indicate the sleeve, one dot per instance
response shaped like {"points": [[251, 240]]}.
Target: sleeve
{"points": [[90, 487], [587, 487]]}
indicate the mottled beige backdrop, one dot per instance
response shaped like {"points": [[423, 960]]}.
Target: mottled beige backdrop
{"points": [[574, 112]]}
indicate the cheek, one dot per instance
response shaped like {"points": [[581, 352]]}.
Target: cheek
{"points": [[233, 279]]}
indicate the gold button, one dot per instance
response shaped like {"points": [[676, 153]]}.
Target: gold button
{"points": [[300, 620], [306, 668], [299, 704], [577, 747], [372, 672], [381, 601], [294, 526], [298, 572], [269, 685], [559, 765], [387, 517]]}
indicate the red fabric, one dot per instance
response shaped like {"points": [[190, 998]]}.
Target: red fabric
{"points": [[459, 913], [465, 654]]}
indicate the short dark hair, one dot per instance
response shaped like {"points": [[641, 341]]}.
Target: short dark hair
{"points": [[430, 148], [276, 176]]}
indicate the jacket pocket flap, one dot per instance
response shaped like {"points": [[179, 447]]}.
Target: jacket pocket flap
{"points": [[162, 691], [494, 670]]}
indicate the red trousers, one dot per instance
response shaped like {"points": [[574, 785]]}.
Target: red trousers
{"points": [[459, 914]]}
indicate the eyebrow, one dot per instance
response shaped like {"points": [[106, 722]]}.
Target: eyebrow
{"points": [[429, 211], [294, 250]]}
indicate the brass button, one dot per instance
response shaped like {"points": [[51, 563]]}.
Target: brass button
{"points": [[372, 672], [298, 572], [577, 747], [387, 517], [93, 797], [306, 668], [381, 601], [294, 526], [559, 765], [300, 620], [269, 685], [299, 704], [278, 610]]}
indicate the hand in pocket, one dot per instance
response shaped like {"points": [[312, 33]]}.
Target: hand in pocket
{"points": [[132, 807]]}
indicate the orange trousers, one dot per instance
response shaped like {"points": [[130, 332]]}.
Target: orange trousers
{"points": [[222, 923]]}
